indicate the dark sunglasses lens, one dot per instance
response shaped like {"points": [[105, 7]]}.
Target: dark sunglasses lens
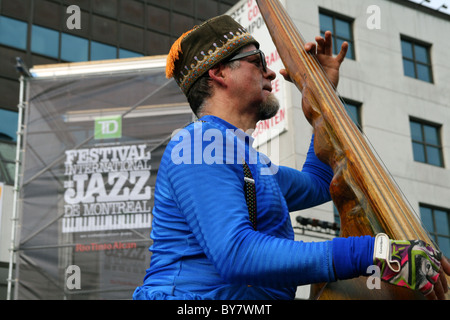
{"points": [[246, 54], [263, 61]]}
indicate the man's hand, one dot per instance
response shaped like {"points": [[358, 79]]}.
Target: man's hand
{"points": [[412, 264], [323, 50], [441, 286]]}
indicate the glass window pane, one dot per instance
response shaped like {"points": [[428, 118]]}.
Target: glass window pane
{"points": [[13, 33], [8, 166], [44, 41], [423, 72], [128, 54], [10, 170], [8, 125], [431, 135], [3, 178], [407, 49], [434, 156], [416, 131], [73, 48], [427, 218], [444, 245], [8, 151], [421, 53], [337, 49], [442, 222], [418, 151], [326, 23], [352, 111], [408, 67], [343, 29], [100, 51]]}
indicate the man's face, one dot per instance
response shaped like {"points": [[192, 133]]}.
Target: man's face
{"points": [[254, 85]]}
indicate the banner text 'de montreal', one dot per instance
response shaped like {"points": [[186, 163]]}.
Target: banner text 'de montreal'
{"points": [[107, 181]]}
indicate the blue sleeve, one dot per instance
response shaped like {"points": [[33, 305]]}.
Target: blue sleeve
{"points": [[352, 256], [309, 187]]}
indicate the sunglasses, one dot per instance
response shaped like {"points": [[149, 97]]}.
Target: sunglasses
{"points": [[251, 53]]}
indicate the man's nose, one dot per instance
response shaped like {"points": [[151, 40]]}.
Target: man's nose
{"points": [[270, 74]]}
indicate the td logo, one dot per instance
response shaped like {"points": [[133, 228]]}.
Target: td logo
{"points": [[108, 127]]}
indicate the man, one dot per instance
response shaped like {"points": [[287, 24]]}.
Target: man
{"points": [[221, 224]]}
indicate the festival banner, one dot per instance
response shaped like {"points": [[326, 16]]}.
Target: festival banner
{"points": [[92, 148]]}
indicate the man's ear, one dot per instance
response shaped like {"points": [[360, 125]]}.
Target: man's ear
{"points": [[219, 74]]}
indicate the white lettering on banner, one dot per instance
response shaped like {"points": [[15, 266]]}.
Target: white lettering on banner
{"points": [[109, 126], [108, 182]]}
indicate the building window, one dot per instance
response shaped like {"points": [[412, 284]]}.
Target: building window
{"points": [[341, 28], [7, 162], [8, 136], [426, 142], [74, 49], [437, 223], [128, 54], [100, 51], [45, 41], [354, 111], [8, 125], [416, 60], [13, 33]]}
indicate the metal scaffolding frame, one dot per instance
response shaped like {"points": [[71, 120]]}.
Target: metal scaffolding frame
{"points": [[14, 249], [14, 219]]}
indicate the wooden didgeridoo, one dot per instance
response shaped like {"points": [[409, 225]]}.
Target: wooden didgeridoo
{"points": [[367, 199]]}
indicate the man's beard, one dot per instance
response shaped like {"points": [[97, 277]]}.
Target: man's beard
{"points": [[269, 107]]}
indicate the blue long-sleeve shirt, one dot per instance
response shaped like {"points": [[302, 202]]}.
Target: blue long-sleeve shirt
{"points": [[204, 246]]}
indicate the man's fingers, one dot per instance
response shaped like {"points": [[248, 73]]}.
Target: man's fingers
{"points": [[325, 45], [441, 285], [310, 47], [285, 75], [443, 280], [445, 264], [328, 46], [320, 45], [341, 56], [439, 290]]}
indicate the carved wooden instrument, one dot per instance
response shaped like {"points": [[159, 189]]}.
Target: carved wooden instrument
{"points": [[367, 199]]}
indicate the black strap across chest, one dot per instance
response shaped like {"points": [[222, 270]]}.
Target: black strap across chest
{"points": [[250, 194], [249, 191]]}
